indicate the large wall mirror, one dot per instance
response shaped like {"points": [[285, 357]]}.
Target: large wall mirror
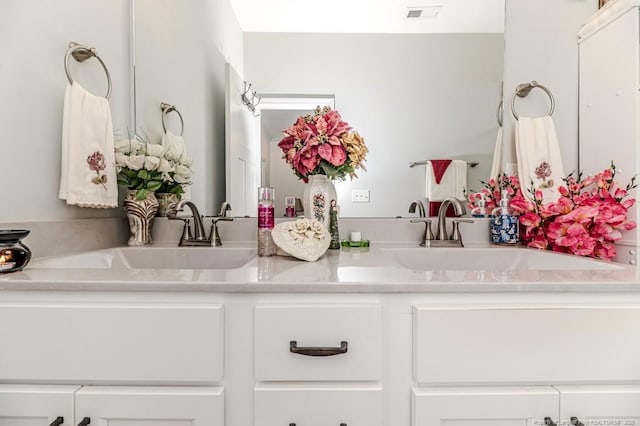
{"points": [[413, 96]]}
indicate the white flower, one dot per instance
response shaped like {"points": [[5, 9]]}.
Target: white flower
{"points": [[186, 161], [134, 162], [137, 147], [166, 166], [120, 159], [179, 179], [123, 146], [183, 171], [155, 150], [151, 162], [316, 227]]}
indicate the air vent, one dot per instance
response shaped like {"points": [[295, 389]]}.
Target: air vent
{"points": [[422, 12]]}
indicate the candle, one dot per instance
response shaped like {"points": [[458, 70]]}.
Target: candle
{"points": [[6, 260]]}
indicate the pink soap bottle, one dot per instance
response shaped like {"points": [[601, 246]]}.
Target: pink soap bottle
{"points": [[266, 219]]}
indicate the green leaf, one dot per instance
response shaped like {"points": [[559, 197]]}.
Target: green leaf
{"points": [[123, 182], [154, 185], [141, 194], [143, 174]]}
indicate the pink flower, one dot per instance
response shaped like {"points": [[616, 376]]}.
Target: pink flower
{"points": [[96, 162], [334, 154]]}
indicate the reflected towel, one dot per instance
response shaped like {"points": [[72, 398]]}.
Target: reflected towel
{"points": [[539, 159], [453, 181], [87, 172], [496, 165]]}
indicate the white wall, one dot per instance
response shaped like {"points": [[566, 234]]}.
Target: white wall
{"points": [[541, 44], [181, 50], [35, 36], [412, 97]]}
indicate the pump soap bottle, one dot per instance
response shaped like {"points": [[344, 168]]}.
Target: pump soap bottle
{"points": [[504, 224]]}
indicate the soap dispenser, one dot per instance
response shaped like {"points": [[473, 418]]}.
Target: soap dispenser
{"points": [[504, 224], [480, 210]]}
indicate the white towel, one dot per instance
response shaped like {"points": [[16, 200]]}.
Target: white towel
{"points": [[87, 173], [176, 149], [496, 165], [452, 184], [539, 159]]}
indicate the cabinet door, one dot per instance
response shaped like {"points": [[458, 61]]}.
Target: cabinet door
{"points": [[146, 406], [503, 406], [600, 405], [27, 405]]}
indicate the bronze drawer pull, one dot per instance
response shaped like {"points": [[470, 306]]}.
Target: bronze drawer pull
{"points": [[318, 351]]}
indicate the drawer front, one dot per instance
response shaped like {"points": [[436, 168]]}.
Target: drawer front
{"points": [[351, 335], [115, 343], [504, 406], [526, 345], [281, 406]]}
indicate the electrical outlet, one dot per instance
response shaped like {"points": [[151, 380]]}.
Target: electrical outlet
{"points": [[359, 195]]}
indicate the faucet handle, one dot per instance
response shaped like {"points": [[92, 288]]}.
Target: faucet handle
{"points": [[214, 235], [455, 233], [428, 233], [186, 229]]}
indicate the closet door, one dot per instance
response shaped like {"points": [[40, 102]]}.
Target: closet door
{"points": [[27, 405], [144, 406], [503, 406]]}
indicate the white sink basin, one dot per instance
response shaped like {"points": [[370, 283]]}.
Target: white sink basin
{"points": [[492, 259], [152, 258]]}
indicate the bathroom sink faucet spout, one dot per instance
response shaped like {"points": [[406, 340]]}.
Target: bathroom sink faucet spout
{"points": [[459, 209]]}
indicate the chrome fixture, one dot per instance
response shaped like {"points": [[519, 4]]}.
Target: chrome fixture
{"points": [[166, 109], [442, 238], [81, 53], [214, 235], [427, 236], [197, 237], [523, 90], [420, 205], [412, 164], [250, 99]]}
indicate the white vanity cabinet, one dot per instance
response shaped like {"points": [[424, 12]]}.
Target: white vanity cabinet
{"points": [[37, 405]]}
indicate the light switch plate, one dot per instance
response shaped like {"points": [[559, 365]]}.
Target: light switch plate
{"points": [[359, 195]]}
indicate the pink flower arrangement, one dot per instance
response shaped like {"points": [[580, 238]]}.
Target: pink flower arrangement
{"points": [[323, 144], [586, 220], [492, 191]]}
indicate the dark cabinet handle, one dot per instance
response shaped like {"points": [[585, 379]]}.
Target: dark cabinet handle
{"points": [[317, 351], [549, 422], [576, 422], [57, 422], [85, 421]]}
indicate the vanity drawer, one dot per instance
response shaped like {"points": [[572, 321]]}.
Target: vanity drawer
{"points": [[124, 343], [352, 335], [318, 406], [559, 345]]}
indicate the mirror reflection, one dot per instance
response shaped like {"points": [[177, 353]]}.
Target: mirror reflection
{"points": [[412, 95]]}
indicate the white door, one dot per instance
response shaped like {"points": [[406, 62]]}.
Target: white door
{"points": [[600, 405], [147, 406], [500, 406], [27, 405]]}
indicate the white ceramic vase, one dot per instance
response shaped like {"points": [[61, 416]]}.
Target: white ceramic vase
{"points": [[317, 198]]}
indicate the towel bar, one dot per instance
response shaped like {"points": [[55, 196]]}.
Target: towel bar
{"points": [[522, 90], [166, 109], [81, 53], [412, 164]]}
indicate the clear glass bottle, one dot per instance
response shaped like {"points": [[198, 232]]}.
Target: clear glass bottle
{"points": [[266, 221], [290, 206], [480, 210], [504, 224]]}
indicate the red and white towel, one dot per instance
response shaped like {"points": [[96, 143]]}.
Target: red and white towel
{"points": [[445, 179]]}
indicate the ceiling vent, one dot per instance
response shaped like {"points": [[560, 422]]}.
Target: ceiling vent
{"points": [[423, 12]]}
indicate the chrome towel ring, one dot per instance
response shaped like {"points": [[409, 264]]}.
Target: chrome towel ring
{"points": [[166, 109], [81, 53], [522, 90]]}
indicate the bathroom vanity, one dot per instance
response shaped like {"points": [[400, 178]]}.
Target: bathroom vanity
{"points": [[513, 341]]}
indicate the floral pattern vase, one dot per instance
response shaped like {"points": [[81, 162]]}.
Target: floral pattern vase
{"points": [[317, 198], [140, 214], [167, 204]]}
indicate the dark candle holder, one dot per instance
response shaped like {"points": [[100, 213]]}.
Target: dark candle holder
{"points": [[14, 255]]}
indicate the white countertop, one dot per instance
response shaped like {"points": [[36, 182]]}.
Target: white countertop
{"points": [[379, 269]]}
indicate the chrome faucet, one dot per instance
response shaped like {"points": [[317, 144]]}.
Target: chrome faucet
{"points": [[198, 236], [420, 205], [214, 235], [224, 208], [455, 238]]}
